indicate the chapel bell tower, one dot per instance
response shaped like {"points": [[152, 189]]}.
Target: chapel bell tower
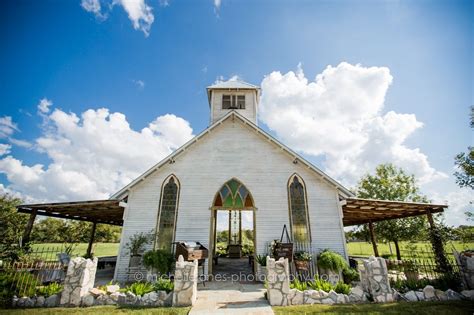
{"points": [[233, 95]]}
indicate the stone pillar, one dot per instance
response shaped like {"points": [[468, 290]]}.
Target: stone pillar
{"points": [[79, 280], [466, 263], [278, 281], [375, 279], [185, 282]]}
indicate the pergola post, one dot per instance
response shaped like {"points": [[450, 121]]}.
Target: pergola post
{"points": [[430, 219], [372, 239], [91, 240], [29, 227]]}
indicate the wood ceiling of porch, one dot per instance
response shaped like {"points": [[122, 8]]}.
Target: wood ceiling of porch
{"points": [[98, 211], [360, 211]]}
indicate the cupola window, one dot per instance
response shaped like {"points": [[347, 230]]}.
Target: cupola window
{"points": [[233, 101]]}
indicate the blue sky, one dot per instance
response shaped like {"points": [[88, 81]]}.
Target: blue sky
{"points": [[60, 51]]}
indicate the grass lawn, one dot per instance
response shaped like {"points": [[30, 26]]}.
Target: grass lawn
{"points": [[418, 308], [99, 249], [365, 249], [101, 310]]}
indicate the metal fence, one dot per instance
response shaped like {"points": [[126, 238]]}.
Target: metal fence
{"points": [[419, 269], [26, 278]]}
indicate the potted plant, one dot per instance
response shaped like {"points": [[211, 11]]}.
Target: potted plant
{"points": [[136, 246], [302, 260], [330, 265], [158, 262], [261, 267], [411, 270]]}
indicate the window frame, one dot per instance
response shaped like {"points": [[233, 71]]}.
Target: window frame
{"points": [[160, 208], [306, 208], [233, 101]]}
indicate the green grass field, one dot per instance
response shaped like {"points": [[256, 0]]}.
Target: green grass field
{"points": [[354, 248], [99, 249], [418, 308], [365, 249]]}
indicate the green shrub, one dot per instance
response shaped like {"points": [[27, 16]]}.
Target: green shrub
{"points": [[140, 288], [163, 285], [6, 292], [331, 261], [343, 288], [50, 289], [320, 284], [160, 260], [299, 285], [350, 275], [446, 281], [261, 260], [137, 242]]}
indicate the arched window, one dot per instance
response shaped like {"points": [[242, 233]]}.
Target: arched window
{"points": [[168, 213], [233, 195], [299, 221]]}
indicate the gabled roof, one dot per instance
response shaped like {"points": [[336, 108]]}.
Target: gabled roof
{"points": [[233, 84], [234, 114]]}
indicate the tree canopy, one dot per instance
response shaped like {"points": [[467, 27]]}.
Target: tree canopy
{"points": [[392, 183]]}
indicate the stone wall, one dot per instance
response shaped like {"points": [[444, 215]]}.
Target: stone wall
{"points": [[467, 269], [375, 281], [185, 282], [278, 281], [79, 280]]}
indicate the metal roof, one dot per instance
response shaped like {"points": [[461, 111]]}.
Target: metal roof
{"points": [[233, 84]]}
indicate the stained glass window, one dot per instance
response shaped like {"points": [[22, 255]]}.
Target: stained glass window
{"points": [[298, 211], [167, 214], [233, 195]]}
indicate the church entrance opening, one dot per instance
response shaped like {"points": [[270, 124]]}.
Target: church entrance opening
{"points": [[233, 234]]}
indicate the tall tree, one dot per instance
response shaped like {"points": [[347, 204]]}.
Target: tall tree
{"points": [[12, 226], [392, 183], [464, 162]]}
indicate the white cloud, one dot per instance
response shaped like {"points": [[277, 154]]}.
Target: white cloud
{"points": [[217, 7], [20, 143], [164, 3], [94, 7], [140, 84], [221, 78], [7, 127], [339, 115], [139, 13], [4, 148], [44, 105], [93, 155], [459, 202]]}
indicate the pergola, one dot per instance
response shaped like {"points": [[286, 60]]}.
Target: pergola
{"points": [[358, 211], [95, 211], [355, 211]]}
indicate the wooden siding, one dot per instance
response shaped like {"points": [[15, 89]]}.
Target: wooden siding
{"points": [[250, 111], [234, 150]]}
